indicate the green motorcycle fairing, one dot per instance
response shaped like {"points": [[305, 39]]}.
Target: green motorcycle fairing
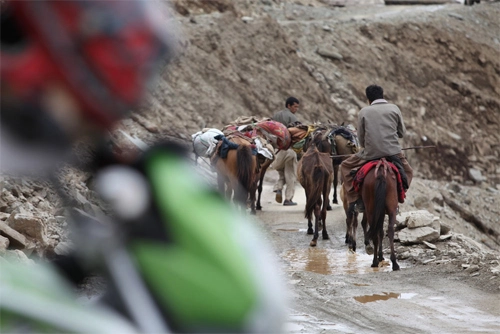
{"points": [[202, 276], [34, 298]]}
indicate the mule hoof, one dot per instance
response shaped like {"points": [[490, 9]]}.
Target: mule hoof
{"points": [[325, 237], [335, 201], [310, 231], [395, 266], [258, 208], [329, 208], [312, 243], [369, 250], [374, 265]]}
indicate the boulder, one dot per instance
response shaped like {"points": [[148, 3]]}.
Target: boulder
{"points": [[417, 235], [16, 239], [30, 226], [414, 219]]}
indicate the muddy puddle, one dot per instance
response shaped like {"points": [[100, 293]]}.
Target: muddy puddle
{"points": [[383, 296], [333, 262]]}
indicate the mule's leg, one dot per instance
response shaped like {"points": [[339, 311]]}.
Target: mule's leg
{"points": [[390, 232], [261, 181], [335, 182], [323, 217], [251, 195], [375, 245], [380, 239], [350, 239], [309, 224], [259, 190], [309, 227], [354, 228], [316, 234], [368, 248]]}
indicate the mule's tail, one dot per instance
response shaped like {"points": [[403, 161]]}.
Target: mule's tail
{"points": [[379, 206], [318, 179], [246, 172]]}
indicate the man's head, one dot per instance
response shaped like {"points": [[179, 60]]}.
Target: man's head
{"points": [[374, 92], [292, 104]]}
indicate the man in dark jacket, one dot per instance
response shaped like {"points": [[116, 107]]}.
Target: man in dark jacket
{"points": [[380, 125]]}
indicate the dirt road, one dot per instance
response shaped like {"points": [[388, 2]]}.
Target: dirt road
{"points": [[334, 291]]}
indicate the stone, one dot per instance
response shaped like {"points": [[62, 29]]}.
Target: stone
{"points": [[428, 244], [17, 240], [436, 224], [4, 244], [419, 218], [63, 248], [30, 226], [247, 19], [472, 268], [476, 175], [445, 229], [418, 235], [329, 53]]}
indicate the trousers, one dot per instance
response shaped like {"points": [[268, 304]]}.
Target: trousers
{"points": [[354, 162], [286, 166]]}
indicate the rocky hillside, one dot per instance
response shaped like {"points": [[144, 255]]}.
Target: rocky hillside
{"points": [[440, 64]]}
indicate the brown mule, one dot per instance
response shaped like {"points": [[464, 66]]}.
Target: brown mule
{"points": [[380, 196], [314, 172], [328, 139], [351, 222], [237, 174]]}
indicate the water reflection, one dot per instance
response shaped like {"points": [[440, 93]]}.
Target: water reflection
{"points": [[384, 296], [328, 261]]}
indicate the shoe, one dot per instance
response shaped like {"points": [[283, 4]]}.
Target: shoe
{"points": [[279, 197], [289, 203], [359, 206]]}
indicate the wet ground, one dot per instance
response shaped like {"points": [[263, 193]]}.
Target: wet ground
{"points": [[333, 290]]}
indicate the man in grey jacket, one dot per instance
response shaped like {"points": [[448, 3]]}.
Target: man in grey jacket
{"points": [[380, 125], [286, 160]]}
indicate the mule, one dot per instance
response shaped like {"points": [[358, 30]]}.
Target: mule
{"points": [[314, 172], [379, 192], [351, 222], [328, 139], [236, 174]]}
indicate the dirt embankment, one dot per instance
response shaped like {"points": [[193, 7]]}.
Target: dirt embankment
{"points": [[440, 64]]}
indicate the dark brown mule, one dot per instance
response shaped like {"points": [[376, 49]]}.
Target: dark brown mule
{"points": [[380, 196], [352, 224], [328, 139], [314, 172], [237, 173]]}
